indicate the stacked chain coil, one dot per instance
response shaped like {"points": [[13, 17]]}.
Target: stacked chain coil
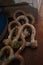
{"points": [[22, 33]]}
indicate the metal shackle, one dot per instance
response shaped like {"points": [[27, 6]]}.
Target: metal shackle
{"points": [[33, 42], [18, 13], [24, 18], [17, 24]]}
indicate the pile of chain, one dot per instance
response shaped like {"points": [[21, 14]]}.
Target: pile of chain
{"points": [[21, 34]]}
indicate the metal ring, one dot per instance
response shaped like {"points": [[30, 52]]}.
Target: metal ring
{"points": [[11, 33], [9, 40], [23, 44], [33, 31], [31, 18], [10, 52], [13, 22], [24, 18], [19, 12], [18, 57]]}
